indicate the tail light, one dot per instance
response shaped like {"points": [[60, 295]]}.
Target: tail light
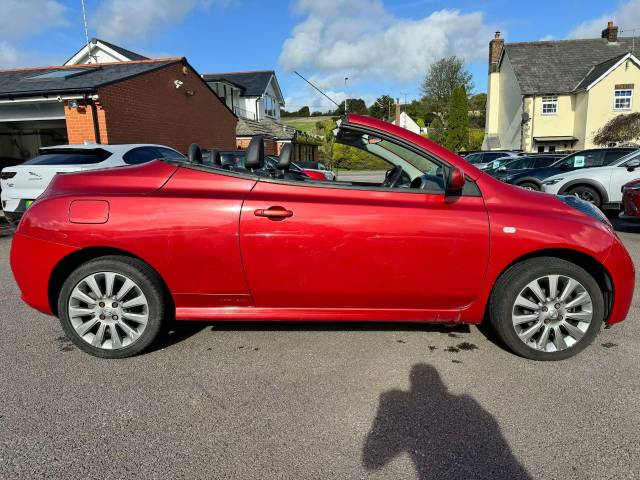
{"points": [[7, 175]]}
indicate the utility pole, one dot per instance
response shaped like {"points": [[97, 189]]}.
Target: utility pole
{"points": [[405, 101], [346, 79]]}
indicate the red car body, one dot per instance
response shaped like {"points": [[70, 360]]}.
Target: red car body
{"points": [[344, 254], [631, 201]]}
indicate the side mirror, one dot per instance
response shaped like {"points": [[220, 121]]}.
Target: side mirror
{"points": [[564, 166], [632, 165], [455, 181]]}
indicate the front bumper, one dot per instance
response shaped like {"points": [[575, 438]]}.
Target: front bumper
{"points": [[623, 276]]}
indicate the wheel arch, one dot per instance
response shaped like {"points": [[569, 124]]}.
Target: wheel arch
{"points": [[535, 180], [587, 183], [72, 261], [586, 261]]}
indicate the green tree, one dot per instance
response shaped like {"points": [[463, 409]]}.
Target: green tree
{"points": [[477, 110], [354, 105], [443, 77], [436, 131], [383, 108], [457, 131]]}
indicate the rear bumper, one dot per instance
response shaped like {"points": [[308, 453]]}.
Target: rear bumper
{"points": [[623, 276], [32, 262]]}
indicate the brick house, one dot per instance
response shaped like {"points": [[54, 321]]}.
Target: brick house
{"points": [[257, 99], [555, 95], [163, 101]]}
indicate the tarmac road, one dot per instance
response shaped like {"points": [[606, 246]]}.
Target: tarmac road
{"points": [[263, 401]]}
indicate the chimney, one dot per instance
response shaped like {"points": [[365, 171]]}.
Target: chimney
{"points": [[495, 50], [610, 33], [398, 112]]}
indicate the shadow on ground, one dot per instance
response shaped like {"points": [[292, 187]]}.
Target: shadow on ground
{"points": [[624, 226], [445, 435]]}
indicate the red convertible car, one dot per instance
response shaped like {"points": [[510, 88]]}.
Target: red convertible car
{"points": [[117, 253]]}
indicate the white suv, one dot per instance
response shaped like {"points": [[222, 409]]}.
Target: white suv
{"points": [[22, 184], [601, 186]]}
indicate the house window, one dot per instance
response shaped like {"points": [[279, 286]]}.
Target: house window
{"points": [[550, 105], [269, 106], [622, 99]]}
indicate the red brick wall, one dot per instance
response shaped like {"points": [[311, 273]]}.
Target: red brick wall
{"points": [[80, 124], [270, 145], [150, 109]]}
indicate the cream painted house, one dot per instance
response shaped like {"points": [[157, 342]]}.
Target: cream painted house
{"points": [[555, 95]]}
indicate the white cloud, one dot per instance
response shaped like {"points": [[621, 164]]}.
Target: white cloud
{"points": [[627, 15], [23, 18], [362, 40], [125, 19]]}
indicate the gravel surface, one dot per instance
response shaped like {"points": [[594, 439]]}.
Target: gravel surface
{"points": [[264, 401]]}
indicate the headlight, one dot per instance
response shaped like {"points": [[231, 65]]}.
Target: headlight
{"points": [[553, 181], [585, 207]]}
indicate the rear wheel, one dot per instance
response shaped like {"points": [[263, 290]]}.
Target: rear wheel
{"points": [[586, 193], [529, 186], [112, 307], [546, 308]]}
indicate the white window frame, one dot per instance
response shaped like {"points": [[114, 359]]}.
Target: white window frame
{"points": [[615, 98], [550, 100]]}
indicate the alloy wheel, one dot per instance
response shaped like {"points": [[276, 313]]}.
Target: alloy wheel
{"points": [[108, 310], [552, 313]]}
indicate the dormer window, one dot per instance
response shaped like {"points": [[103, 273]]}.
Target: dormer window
{"points": [[622, 98], [550, 105]]}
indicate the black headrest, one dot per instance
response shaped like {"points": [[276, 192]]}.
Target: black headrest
{"points": [[195, 154], [216, 158], [255, 154], [285, 157]]}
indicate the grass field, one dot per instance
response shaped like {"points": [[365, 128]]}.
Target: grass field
{"points": [[305, 124]]}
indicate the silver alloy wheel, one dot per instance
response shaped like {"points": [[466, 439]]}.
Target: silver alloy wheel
{"points": [[552, 313], [586, 196], [108, 310]]}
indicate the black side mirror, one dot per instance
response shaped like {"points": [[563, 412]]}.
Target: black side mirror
{"points": [[632, 165]]}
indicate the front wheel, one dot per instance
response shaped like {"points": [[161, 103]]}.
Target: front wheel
{"points": [[112, 307], [587, 194], [529, 186], [546, 308]]}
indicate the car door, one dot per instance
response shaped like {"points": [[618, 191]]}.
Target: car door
{"points": [[338, 245], [621, 175]]}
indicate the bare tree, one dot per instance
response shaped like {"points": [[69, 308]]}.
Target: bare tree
{"points": [[620, 129]]}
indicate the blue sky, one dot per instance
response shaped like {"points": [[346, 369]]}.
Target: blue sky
{"points": [[383, 46]]}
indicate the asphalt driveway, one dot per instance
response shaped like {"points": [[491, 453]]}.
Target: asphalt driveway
{"points": [[319, 401]]}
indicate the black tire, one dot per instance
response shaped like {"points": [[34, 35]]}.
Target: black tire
{"points": [[148, 282], [587, 193], [529, 186], [511, 283]]}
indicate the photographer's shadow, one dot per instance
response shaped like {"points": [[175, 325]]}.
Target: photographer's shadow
{"points": [[447, 436]]}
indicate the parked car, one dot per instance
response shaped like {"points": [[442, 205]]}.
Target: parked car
{"points": [[631, 201], [116, 253], [601, 186], [532, 179], [22, 184], [8, 162], [314, 168], [510, 166], [483, 159]]}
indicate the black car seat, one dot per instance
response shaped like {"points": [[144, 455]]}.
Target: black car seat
{"points": [[254, 161], [216, 158], [195, 154]]}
